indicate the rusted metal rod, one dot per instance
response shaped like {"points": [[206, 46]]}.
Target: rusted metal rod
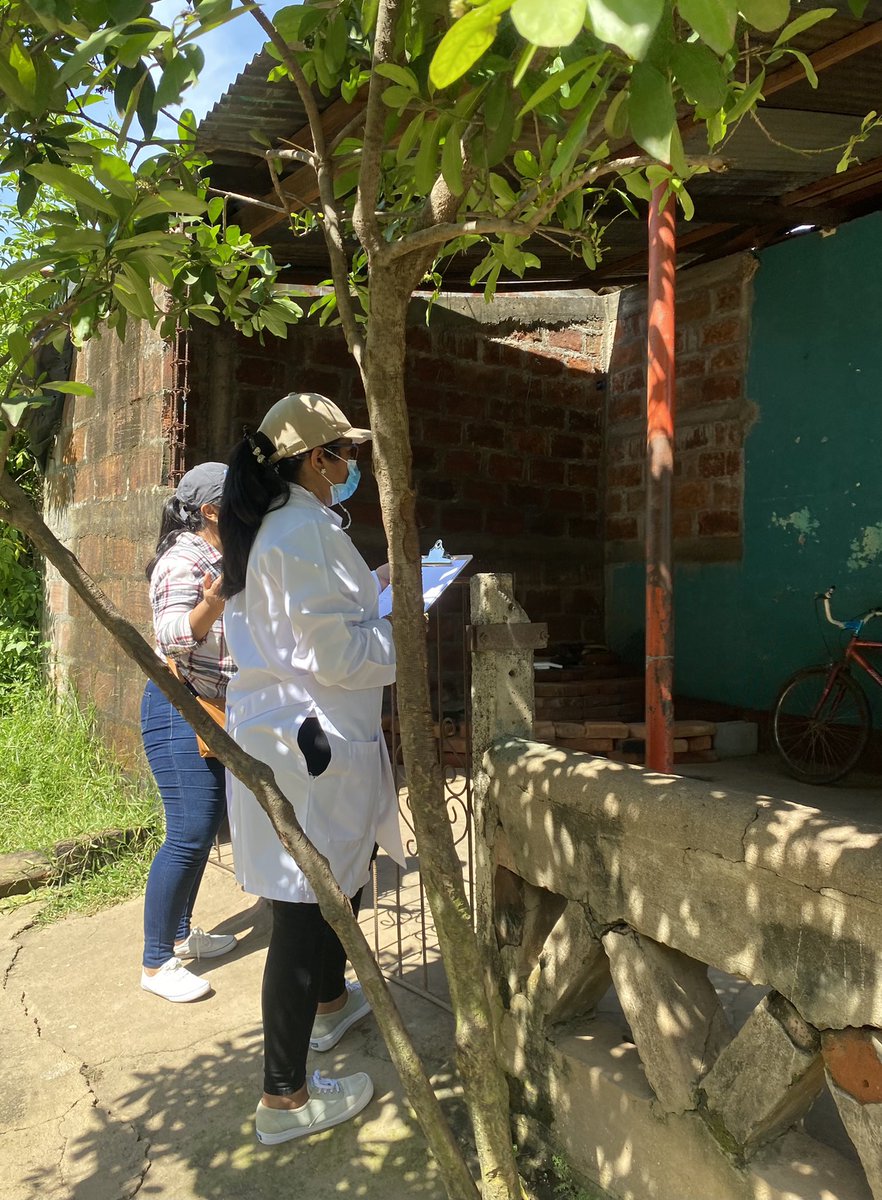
{"points": [[661, 334]]}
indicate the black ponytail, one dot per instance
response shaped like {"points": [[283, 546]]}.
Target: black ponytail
{"points": [[176, 519], [253, 487]]}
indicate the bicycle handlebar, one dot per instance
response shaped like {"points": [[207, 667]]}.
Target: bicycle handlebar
{"points": [[854, 625]]}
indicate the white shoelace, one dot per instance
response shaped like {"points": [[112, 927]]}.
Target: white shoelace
{"points": [[325, 1085]]}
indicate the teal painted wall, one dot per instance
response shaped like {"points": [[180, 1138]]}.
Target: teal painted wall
{"points": [[813, 480]]}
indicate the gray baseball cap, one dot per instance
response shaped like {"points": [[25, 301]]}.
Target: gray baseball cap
{"points": [[203, 485]]}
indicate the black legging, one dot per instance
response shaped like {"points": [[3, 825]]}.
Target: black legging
{"points": [[305, 967]]}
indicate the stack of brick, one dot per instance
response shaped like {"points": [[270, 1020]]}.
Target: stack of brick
{"points": [[626, 742]]}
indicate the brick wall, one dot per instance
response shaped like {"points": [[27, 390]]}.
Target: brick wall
{"points": [[103, 495], [506, 415], [712, 417]]}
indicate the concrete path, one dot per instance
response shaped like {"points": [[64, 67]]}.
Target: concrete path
{"points": [[107, 1092]]}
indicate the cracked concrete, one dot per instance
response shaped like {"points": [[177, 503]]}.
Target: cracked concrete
{"points": [[108, 1093]]}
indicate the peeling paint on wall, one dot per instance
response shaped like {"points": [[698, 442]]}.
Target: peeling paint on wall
{"points": [[801, 522], [866, 548]]}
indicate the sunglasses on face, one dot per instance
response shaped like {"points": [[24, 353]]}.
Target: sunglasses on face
{"points": [[344, 452]]}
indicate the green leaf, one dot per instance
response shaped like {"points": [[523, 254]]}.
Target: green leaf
{"points": [[765, 15], [810, 73], [409, 138], [465, 42], [147, 106], [12, 85], [336, 44], [546, 24], [397, 96], [70, 387], [400, 75], [116, 175], [713, 21], [574, 140], [615, 120], [651, 111], [555, 82], [804, 22], [746, 100], [182, 202], [175, 74], [72, 185], [858, 7], [87, 50], [700, 73], [628, 24], [451, 160], [425, 167]]}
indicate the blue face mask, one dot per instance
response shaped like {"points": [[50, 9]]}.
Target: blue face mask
{"points": [[342, 491]]}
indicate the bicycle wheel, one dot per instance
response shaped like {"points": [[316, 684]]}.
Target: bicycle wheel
{"points": [[820, 723]]}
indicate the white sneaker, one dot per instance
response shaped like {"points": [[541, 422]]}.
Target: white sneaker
{"points": [[174, 982], [331, 1102], [205, 945], [328, 1028]]}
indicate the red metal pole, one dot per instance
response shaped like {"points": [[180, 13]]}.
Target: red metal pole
{"points": [[661, 335]]}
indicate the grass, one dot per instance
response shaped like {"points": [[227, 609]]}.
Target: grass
{"points": [[57, 781]]}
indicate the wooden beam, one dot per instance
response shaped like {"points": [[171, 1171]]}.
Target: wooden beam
{"points": [[827, 56], [834, 187], [301, 185]]}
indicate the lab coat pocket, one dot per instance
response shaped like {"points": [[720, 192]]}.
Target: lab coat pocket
{"points": [[343, 808]]}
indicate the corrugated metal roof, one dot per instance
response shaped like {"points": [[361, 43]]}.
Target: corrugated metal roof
{"points": [[770, 158]]}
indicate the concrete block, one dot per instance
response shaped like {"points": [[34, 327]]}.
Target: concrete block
{"points": [[572, 971], [767, 1077], [674, 1013], [735, 739], [588, 1098], [864, 1125], [22, 871]]}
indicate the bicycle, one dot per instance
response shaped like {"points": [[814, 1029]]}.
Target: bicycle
{"points": [[821, 718]]}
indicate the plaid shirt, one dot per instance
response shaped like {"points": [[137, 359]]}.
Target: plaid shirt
{"points": [[175, 590]]}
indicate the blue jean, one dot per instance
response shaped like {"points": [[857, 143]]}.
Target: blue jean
{"points": [[193, 791]]}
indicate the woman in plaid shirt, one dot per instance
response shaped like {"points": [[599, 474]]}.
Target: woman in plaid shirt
{"points": [[185, 576]]}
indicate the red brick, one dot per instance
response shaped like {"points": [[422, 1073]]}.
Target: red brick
{"points": [[628, 353], [728, 297], [527, 440], [419, 338], [507, 522], [567, 446], [483, 434], [729, 433], [712, 465], [692, 494], [717, 388], [715, 523], [505, 467], [626, 407], [456, 519], [548, 524], [635, 500], [615, 502], [630, 380], [545, 364], [726, 495], [547, 418], [583, 527], [628, 475], [693, 307], [690, 365], [720, 333], [544, 470], [621, 529], [583, 475], [683, 524], [728, 358], [853, 1064], [566, 501], [565, 339], [462, 462]]}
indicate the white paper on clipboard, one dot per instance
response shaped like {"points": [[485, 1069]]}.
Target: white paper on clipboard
{"points": [[439, 571]]}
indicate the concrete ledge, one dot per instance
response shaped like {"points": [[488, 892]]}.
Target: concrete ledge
{"points": [[25, 870], [770, 891]]}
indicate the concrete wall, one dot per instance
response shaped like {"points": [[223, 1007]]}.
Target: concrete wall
{"points": [[812, 488]]}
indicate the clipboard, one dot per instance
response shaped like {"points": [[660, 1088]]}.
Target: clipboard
{"points": [[439, 571]]}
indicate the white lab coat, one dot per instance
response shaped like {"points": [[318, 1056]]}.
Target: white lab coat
{"points": [[307, 641]]}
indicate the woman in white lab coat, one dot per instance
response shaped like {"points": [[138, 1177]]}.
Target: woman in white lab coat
{"points": [[313, 657]]}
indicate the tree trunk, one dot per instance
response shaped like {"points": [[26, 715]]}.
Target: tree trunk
{"points": [[483, 1080], [17, 510]]}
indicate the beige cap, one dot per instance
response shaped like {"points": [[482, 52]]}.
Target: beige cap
{"points": [[301, 421]]}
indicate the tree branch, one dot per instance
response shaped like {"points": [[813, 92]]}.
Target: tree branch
{"points": [[437, 235], [245, 199], [324, 169], [363, 218], [257, 776]]}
